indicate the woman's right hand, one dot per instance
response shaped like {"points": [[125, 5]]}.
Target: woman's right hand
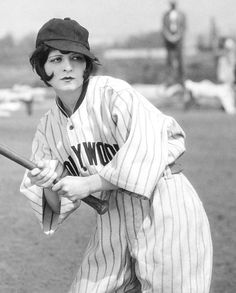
{"points": [[44, 174]]}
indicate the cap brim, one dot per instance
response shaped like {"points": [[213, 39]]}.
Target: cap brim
{"points": [[71, 46]]}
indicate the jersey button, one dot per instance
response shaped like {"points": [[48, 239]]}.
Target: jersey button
{"points": [[71, 127]]}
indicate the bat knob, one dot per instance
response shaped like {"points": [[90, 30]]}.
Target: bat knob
{"points": [[101, 206], [102, 209]]}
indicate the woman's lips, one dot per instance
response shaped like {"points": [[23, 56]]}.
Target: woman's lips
{"points": [[67, 78]]}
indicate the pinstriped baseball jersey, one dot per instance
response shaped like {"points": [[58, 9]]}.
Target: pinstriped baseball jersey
{"points": [[155, 236]]}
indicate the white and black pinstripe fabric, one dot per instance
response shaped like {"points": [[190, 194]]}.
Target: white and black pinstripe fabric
{"points": [[155, 236]]}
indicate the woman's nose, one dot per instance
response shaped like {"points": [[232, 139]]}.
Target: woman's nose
{"points": [[67, 65]]}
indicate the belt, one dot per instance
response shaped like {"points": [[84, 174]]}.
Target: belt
{"points": [[174, 168]]}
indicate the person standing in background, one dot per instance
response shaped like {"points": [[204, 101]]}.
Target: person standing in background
{"points": [[173, 31], [225, 71], [226, 61]]}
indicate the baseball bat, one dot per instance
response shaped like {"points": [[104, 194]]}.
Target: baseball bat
{"points": [[101, 206]]}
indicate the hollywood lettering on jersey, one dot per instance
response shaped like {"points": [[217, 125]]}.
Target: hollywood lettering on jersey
{"points": [[96, 153]]}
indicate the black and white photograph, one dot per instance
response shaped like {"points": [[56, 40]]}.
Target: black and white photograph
{"points": [[117, 151]]}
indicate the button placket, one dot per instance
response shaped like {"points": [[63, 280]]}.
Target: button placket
{"points": [[70, 125]]}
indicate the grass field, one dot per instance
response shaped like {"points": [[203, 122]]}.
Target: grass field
{"points": [[33, 263]]}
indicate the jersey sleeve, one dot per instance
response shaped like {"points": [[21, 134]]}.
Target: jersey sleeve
{"points": [[48, 220], [148, 142]]}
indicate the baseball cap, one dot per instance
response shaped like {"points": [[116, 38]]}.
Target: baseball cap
{"points": [[65, 35]]}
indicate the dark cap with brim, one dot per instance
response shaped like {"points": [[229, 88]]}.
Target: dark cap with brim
{"points": [[65, 35], [65, 45]]}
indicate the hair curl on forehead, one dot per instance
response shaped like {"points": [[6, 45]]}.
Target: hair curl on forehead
{"points": [[39, 57]]}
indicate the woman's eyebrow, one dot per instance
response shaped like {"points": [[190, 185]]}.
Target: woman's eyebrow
{"points": [[56, 55], [77, 54]]}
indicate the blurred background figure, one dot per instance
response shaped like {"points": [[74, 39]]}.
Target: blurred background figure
{"points": [[226, 61], [173, 31], [28, 105]]}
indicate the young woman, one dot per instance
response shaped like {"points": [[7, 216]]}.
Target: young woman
{"points": [[103, 137]]}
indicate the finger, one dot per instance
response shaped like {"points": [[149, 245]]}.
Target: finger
{"points": [[41, 177], [35, 172], [52, 179], [56, 187], [61, 193], [45, 173], [48, 173], [48, 180], [74, 199], [33, 177], [41, 164], [65, 195]]}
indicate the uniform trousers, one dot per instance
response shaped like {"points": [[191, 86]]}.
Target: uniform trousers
{"points": [[162, 244]]}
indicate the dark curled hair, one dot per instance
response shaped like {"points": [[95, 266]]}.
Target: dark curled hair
{"points": [[40, 56]]}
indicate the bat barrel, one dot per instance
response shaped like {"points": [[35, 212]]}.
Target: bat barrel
{"points": [[10, 154]]}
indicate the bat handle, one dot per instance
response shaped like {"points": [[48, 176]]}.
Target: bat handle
{"points": [[101, 206]]}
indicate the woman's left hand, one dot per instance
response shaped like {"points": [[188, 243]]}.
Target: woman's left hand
{"points": [[73, 187]]}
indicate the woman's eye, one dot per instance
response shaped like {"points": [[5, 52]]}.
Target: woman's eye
{"points": [[55, 60], [78, 58]]}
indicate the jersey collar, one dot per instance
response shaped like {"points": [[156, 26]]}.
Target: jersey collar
{"points": [[78, 103]]}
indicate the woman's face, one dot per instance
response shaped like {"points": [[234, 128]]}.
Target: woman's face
{"points": [[67, 69]]}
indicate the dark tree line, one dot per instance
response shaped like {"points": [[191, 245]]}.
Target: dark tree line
{"points": [[15, 52]]}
